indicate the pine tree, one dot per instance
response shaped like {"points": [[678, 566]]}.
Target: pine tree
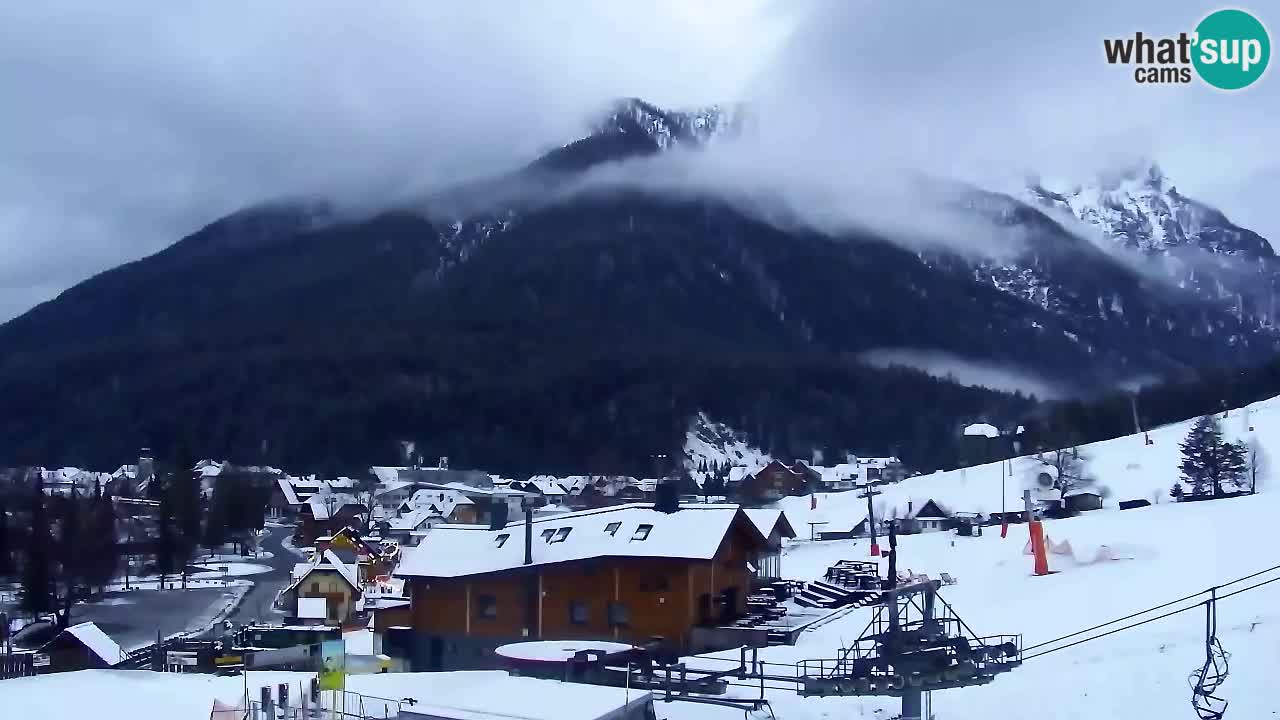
{"points": [[72, 557], [1209, 463], [166, 541], [36, 575], [106, 557], [1175, 492], [184, 487]]}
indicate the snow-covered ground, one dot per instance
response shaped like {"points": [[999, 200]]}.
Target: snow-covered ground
{"points": [[1162, 552], [1125, 468], [1166, 552], [142, 695], [214, 570]]}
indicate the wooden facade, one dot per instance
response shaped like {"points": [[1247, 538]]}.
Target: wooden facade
{"points": [[457, 621], [770, 484]]}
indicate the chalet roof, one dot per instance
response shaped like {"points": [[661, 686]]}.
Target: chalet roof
{"points": [[633, 530], [392, 486], [98, 642], [982, 430], [767, 519], [287, 489], [918, 506], [328, 560], [321, 505], [1089, 490]]}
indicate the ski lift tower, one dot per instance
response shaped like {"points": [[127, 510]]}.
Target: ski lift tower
{"points": [[915, 644], [869, 491]]}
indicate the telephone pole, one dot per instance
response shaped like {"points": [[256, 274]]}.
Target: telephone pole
{"points": [[869, 492]]}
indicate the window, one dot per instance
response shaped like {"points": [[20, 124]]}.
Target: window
{"points": [[619, 616], [642, 532], [546, 534], [501, 539], [486, 607], [612, 528], [579, 612], [315, 587], [560, 535]]}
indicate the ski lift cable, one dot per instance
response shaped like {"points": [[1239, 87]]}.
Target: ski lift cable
{"points": [[1148, 620], [1161, 607]]}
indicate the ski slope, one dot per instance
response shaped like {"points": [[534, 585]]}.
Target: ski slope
{"points": [[1125, 468], [1162, 552]]}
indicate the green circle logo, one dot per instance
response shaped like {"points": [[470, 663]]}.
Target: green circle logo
{"points": [[1232, 49]]}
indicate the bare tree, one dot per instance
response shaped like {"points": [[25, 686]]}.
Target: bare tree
{"points": [[1257, 463], [1070, 470]]}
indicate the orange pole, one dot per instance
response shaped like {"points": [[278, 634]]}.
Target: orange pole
{"points": [[1037, 548]]}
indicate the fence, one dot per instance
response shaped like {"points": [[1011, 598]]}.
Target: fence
{"points": [[20, 665]]}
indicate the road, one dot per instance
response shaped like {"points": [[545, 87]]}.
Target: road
{"points": [[257, 602]]}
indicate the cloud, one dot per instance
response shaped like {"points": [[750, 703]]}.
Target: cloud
{"points": [[129, 124], [966, 372]]}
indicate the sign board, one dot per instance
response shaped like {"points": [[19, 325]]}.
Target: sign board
{"points": [[313, 608], [333, 665], [186, 659], [41, 660], [229, 660]]}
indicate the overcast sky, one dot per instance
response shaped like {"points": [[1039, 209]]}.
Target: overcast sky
{"points": [[127, 125]]}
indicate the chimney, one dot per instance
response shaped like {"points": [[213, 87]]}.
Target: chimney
{"points": [[528, 535], [668, 499], [498, 514]]}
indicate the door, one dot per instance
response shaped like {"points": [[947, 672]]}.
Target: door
{"points": [[435, 653]]}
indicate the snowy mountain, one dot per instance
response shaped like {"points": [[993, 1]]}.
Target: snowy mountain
{"points": [[1140, 208], [709, 445], [670, 128], [1195, 246], [514, 322]]}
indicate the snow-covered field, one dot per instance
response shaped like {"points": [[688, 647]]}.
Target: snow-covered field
{"points": [[1162, 552], [1127, 467]]}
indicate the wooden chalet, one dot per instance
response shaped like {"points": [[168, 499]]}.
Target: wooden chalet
{"points": [[774, 526], [770, 484], [82, 647], [628, 573]]}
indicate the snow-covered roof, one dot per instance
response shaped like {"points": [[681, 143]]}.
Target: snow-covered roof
{"points": [[392, 486], [414, 518], [98, 642], [982, 429], [766, 519], [328, 560], [635, 530], [321, 504], [556, 650], [287, 489], [386, 474]]}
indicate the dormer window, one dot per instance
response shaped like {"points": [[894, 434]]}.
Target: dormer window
{"points": [[642, 532], [612, 528], [501, 539], [560, 535]]}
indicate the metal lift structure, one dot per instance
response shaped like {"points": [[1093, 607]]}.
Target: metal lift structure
{"points": [[914, 644]]}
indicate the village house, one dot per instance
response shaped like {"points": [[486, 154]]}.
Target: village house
{"points": [[331, 577], [629, 573], [326, 513], [922, 516], [770, 484], [82, 647], [766, 565]]}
